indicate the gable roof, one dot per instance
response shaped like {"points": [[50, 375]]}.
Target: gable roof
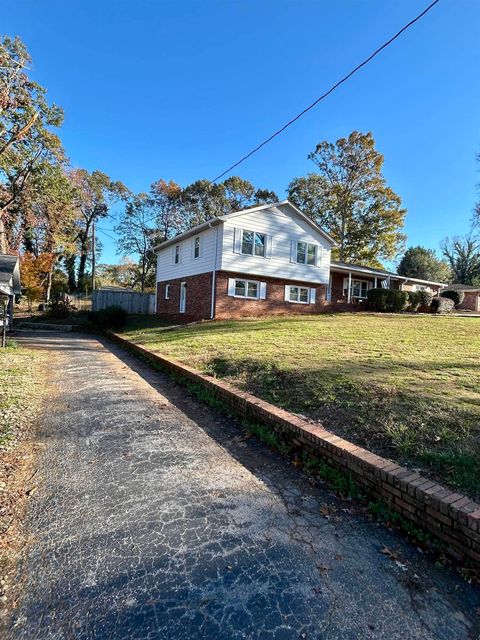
{"points": [[221, 219], [9, 274]]}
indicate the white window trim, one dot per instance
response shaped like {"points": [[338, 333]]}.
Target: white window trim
{"points": [[311, 294], [238, 243], [167, 292], [199, 238], [353, 284], [183, 299], [318, 252], [261, 289]]}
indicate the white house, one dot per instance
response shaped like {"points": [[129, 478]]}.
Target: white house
{"points": [[269, 259]]}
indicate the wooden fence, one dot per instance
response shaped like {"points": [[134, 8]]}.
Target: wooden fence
{"points": [[131, 301]]}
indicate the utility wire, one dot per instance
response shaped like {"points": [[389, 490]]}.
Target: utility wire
{"points": [[327, 93], [105, 233]]}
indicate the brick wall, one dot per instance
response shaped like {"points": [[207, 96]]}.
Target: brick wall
{"points": [[450, 516], [198, 303], [471, 301], [274, 304]]}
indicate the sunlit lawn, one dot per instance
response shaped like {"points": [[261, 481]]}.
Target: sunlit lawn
{"points": [[404, 386]]}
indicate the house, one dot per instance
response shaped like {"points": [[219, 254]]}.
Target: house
{"points": [[265, 260], [9, 284], [349, 283], [471, 302]]}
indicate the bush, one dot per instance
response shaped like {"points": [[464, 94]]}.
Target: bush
{"points": [[419, 300], [58, 309], [425, 298], [442, 305], [390, 300], [109, 318], [414, 301], [457, 296]]}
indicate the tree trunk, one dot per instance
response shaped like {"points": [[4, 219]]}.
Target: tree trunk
{"points": [[48, 285], [3, 237], [70, 268], [81, 269]]}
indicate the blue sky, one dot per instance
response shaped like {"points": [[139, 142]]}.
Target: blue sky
{"points": [[180, 90]]}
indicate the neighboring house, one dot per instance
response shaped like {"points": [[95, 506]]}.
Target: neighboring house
{"points": [[270, 259], [9, 283], [471, 301]]}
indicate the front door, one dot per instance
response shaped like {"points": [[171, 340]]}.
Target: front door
{"points": [[183, 296]]}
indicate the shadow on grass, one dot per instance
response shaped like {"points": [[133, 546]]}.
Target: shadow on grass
{"points": [[411, 428]]}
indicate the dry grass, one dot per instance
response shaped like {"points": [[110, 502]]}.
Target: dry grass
{"points": [[22, 388], [404, 386]]}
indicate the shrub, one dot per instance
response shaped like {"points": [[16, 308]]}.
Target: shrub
{"points": [[457, 296], [387, 300], [420, 300], [442, 305], [377, 299], [57, 309], [414, 300], [425, 298], [109, 318]]}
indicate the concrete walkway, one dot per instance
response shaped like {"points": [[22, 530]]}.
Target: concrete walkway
{"points": [[155, 519]]}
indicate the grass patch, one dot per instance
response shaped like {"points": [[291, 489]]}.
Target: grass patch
{"points": [[407, 387], [20, 391]]}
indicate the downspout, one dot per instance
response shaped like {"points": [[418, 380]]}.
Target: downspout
{"points": [[156, 284], [214, 274]]}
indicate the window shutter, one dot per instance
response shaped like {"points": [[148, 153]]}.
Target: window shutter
{"points": [[287, 291], [268, 247], [200, 246], [237, 240], [313, 293], [318, 255], [263, 290], [231, 286], [173, 254], [345, 283], [293, 251]]}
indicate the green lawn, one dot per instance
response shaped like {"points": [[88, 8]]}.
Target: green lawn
{"points": [[407, 387]]}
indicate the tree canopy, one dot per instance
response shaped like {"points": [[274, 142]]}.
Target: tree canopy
{"points": [[422, 263], [348, 196], [463, 255]]}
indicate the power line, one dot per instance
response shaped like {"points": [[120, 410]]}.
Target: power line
{"points": [[105, 233], [327, 93]]}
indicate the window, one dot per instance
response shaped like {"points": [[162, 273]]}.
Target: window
{"points": [[359, 288], [177, 254], [302, 295], [167, 292], [246, 289], [250, 289], [196, 247], [253, 243], [306, 253]]}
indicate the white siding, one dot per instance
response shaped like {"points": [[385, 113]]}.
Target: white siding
{"points": [[189, 266], [283, 227]]}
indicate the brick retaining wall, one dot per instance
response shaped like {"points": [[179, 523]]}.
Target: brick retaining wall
{"points": [[450, 516]]}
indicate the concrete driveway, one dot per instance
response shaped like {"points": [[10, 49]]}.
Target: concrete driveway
{"points": [[155, 519]]}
